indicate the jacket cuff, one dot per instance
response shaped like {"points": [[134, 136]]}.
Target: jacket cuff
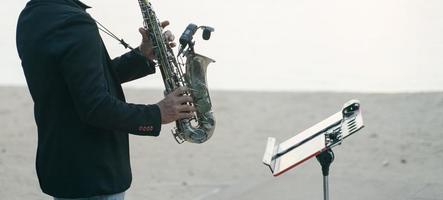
{"points": [[152, 124]]}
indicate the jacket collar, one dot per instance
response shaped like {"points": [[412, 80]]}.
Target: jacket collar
{"points": [[81, 4]]}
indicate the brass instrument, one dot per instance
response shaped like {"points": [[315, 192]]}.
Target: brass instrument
{"points": [[201, 127]]}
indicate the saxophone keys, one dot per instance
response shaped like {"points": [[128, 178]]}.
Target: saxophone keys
{"points": [[177, 137]]}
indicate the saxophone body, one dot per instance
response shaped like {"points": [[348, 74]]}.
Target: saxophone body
{"points": [[201, 127]]}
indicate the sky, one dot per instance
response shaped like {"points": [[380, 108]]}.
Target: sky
{"points": [[282, 45]]}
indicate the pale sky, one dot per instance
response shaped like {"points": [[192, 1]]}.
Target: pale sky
{"points": [[290, 45]]}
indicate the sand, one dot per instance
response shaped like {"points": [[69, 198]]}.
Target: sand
{"points": [[398, 155]]}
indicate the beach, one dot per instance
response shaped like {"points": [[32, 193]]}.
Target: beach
{"points": [[398, 155], [273, 60]]}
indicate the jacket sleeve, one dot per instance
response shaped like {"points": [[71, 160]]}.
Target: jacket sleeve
{"points": [[79, 48], [132, 65]]}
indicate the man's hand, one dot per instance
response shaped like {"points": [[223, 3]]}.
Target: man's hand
{"points": [[174, 106], [146, 45]]}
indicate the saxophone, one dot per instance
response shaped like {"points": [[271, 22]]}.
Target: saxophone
{"points": [[201, 127]]}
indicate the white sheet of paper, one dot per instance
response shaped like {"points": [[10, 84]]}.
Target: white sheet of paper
{"points": [[307, 150], [299, 154]]}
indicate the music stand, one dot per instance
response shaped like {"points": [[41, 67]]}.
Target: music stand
{"points": [[317, 140]]}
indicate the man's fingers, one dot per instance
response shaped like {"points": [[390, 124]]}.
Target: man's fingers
{"points": [[179, 91], [144, 34], [165, 23], [186, 108], [185, 115], [169, 36], [184, 99]]}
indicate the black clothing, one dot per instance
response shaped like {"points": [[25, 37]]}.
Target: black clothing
{"points": [[79, 106]]}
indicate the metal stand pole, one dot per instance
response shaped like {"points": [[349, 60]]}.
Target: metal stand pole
{"points": [[325, 188], [325, 158]]}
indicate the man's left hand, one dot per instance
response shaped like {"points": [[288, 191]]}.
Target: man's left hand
{"points": [[146, 45]]}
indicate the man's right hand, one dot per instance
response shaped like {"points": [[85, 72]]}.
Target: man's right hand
{"points": [[174, 106]]}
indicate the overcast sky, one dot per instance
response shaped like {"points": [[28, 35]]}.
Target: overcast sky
{"points": [[292, 45]]}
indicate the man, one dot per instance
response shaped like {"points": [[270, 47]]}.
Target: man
{"points": [[82, 118]]}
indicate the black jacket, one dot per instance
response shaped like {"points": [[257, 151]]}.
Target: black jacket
{"points": [[80, 111]]}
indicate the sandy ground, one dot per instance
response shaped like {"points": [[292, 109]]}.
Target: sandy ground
{"points": [[398, 155]]}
